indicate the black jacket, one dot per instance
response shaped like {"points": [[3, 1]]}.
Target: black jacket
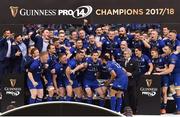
{"points": [[131, 67]]}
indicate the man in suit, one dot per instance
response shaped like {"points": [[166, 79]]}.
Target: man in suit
{"points": [[41, 40], [18, 53], [5, 52], [131, 69]]}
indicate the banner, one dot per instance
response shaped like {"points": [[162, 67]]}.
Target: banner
{"points": [[12, 91], [148, 98], [96, 11]]}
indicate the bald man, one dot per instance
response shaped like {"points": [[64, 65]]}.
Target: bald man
{"points": [[118, 52]]}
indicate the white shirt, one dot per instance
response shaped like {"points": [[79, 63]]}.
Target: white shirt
{"points": [[23, 49], [45, 45], [97, 38], [8, 54], [31, 43], [127, 61]]}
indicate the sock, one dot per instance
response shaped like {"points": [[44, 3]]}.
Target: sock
{"points": [[89, 100], [178, 102], [78, 99], [49, 98], [31, 100], [113, 103], [101, 102], [119, 104], [68, 98], [163, 105], [61, 98], [38, 100]]}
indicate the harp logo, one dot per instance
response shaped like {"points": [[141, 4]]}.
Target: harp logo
{"points": [[14, 10], [12, 82], [149, 82]]}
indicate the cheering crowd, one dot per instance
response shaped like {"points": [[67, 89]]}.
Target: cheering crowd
{"points": [[76, 62]]}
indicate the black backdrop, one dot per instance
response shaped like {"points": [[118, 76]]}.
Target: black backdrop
{"points": [[6, 17]]}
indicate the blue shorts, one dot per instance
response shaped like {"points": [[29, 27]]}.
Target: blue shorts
{"points": [[48, 77], [93, 84], [176, 79], [63, 82], [80, 78], [31, 86], [120, 83], [49, 83], [171, 80], [165, 81], [76, 83]]}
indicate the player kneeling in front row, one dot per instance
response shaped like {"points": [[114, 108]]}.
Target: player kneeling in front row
{"points": [[34, 80], [119, 82]]}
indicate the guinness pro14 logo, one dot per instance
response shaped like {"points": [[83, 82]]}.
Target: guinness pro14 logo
{"points": [[13, 91], [78, 13]]}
